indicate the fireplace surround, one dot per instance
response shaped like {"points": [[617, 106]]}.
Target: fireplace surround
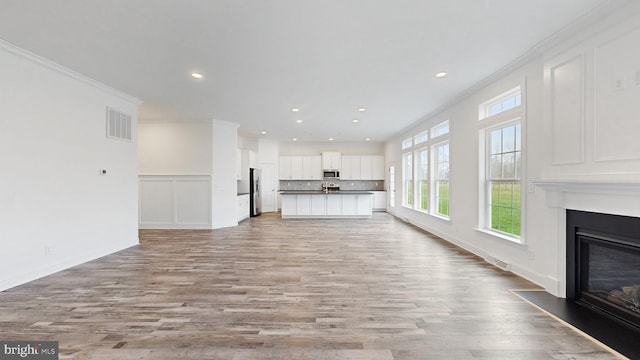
{"points": [[603, 264]]}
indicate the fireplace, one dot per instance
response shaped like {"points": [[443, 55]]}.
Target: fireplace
{"points": [[603, 264]]}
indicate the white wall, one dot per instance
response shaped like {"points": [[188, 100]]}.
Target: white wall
{"points": [[187, 174], [225, 200], [175, 148], [581, 97], [175, 162], [56, 211]]}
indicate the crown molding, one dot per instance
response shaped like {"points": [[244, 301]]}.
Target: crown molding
{"points": [[50, 65], [579, 29]]}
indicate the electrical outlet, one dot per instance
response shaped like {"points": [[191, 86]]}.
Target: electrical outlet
{"points": [[531, 257], [47, 250]]}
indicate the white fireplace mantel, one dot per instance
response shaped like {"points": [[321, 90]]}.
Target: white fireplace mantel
{"points": [[589, 186], [618, 197]]}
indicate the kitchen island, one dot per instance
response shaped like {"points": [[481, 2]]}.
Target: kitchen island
{"points": [[305, 204]]}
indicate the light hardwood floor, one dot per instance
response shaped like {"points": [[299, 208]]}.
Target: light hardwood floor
{"points": [[375, 289]]}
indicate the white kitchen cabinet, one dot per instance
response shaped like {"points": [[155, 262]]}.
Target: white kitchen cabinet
{"points": [[334, 205], [379, 200], [364, 204], [243, 207], [290, 168], [289, 205], [312, 167], [350, 167], [366, 167], [296, 168], [319, 205], [303, 205], [362, 167], [350, 205], [331, 160], [300, 168], [285, 168]]}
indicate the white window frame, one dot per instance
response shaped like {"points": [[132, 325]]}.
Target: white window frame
{"points": [[407, 143], [417, 201], [435, 180], [424, 140], [486, 125], [405, 180], [421, 138], [484, 109]]}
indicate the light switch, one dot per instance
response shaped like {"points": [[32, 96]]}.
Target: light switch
{"points": [[619, 84]]}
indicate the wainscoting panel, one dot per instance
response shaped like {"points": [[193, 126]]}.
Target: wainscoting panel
{"points": [[156, 202], [566, 85], [617, 98], [193, 201], [175, 202]]}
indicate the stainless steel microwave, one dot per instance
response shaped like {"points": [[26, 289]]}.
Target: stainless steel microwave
{"points": [[331, 174]]}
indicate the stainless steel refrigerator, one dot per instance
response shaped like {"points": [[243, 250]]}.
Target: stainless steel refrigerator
{"points": [[255, 203]]}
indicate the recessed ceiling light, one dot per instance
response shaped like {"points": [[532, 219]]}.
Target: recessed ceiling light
{"points": [[361, 109], [298, 121], [355, 121], [441, 74], [263, 132], [368, 139], [196, 75], [294, 139], [295, 109], [330, 139]]}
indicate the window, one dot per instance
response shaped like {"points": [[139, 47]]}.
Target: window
{"points": [[501, 136], [442, 179], [503, 181], [501, 103], [392, 186], [422, 179], [422, 137], [407, 179], [440, 129], [426, 171]]}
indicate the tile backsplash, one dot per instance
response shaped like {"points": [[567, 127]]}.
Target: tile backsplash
{"points": [[370, 185]]}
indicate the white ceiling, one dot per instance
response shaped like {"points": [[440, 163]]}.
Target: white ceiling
{"points": [[260, 58]]}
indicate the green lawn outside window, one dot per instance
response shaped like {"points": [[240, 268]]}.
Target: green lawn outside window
{"points": [[443, 198], [505, 207]]}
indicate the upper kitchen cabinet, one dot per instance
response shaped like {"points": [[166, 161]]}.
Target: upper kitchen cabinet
{"points": [[300, 168], [365, 167], [331, 160], [311, 167], [350, 167]]}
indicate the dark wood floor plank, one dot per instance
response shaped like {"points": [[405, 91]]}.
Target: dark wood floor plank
{"points": [[289, 289]]}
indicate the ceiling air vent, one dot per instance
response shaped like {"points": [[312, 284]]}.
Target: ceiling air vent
{"points": [[118, 125]]}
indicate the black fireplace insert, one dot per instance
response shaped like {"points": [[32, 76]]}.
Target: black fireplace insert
{"points": [[603, 264]]}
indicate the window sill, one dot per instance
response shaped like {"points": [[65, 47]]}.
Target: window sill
{"points": [[425, 212], [495, 234], [441, 217]]}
